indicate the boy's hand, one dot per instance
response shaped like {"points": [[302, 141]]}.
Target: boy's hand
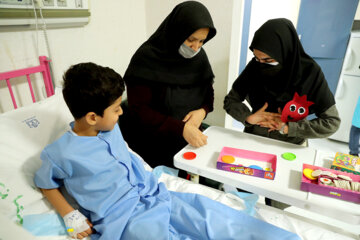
{"points": [[194, 136], [77, 225], [86, 233]]}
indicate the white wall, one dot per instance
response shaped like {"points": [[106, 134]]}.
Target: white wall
{"points": [[116, 29], [357, 14], [217, 49]]}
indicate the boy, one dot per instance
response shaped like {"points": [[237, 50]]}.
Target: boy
{"points": [[117, 195]]}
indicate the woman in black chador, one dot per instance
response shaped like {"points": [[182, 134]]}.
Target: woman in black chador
{"points": [[280, 73], [169, 86]]}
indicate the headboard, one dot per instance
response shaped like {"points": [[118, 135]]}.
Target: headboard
{"points": [[42, 68]]}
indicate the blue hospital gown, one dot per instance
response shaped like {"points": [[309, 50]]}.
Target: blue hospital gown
{"points": [[124, 201]]}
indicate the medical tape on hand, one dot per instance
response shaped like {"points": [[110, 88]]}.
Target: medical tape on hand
{"points": [[75, 223]]}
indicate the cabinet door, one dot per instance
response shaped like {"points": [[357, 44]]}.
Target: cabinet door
{"points": [[331, 68], [352, 59], [346, 99], [324, 26]]}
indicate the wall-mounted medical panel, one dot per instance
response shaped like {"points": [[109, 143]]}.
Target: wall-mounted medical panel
{"points": [[56, 13]]}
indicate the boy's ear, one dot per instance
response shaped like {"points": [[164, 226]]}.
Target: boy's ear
{"points": [[90, 118]]}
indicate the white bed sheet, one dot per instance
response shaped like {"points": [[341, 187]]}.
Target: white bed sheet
{"points": [[26, 131]]}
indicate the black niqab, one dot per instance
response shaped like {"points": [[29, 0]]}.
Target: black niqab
{"points": [[158, 59], [300, 73]]}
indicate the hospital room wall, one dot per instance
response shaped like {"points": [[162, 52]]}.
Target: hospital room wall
{"points": [[110, 38]]}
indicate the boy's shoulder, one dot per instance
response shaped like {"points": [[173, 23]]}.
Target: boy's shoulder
{"points": [[61, 145]]}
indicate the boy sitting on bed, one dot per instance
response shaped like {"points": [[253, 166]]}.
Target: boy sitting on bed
{"points": [[119, 199]]}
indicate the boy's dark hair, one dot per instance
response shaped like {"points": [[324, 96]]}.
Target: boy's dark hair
{"points": [[89, 87]]}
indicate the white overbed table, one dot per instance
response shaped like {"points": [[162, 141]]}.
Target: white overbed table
{"points": [[286, 185]]}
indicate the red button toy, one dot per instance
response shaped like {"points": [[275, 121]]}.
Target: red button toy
{"points": [[189, 155]]}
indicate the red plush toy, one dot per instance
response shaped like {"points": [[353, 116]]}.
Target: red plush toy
{"points": [[296, 109]]}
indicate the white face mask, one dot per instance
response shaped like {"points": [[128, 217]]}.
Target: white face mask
{"points": [[272, 63], [187, 52]]}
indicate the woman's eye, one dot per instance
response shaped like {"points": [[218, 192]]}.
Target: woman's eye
{"points": [[292, 107]]}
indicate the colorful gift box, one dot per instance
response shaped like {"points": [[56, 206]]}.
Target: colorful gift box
{"points": [[247, 162], [330, 191], [346, 163]]}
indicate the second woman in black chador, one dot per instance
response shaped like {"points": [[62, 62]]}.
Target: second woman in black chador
{"points": [[280, 68]]}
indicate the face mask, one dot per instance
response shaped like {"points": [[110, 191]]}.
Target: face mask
{"points": [[270, 69], [187, 52]]}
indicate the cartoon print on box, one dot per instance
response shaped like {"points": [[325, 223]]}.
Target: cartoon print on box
{"points": [[296, 109]]}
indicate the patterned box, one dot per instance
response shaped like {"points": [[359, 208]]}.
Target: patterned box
{"points": [[346, 163], [330, 191], [247, 162]]}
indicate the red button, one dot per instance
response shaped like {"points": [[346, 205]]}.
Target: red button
{"points": [[189, 155]]}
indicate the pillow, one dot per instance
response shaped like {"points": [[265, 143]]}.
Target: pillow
{"points": [[24, 134]]}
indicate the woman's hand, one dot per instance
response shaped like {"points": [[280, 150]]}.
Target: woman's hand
{"points": [[195, 117], [275, 124], [264, 119], [194, 136]]}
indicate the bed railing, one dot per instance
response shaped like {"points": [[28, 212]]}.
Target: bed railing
{"points": [[43, 68]]}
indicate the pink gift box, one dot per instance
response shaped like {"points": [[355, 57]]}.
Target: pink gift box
{"points": [[250, 155], [330, 191]]}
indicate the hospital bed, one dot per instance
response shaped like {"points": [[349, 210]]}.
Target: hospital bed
{"points": [[26, 214]]}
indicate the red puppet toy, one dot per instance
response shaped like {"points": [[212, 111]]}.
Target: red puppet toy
{"points": [[296, 109]]}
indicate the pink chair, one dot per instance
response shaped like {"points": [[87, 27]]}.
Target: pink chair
{"points": [[43, 68]]}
